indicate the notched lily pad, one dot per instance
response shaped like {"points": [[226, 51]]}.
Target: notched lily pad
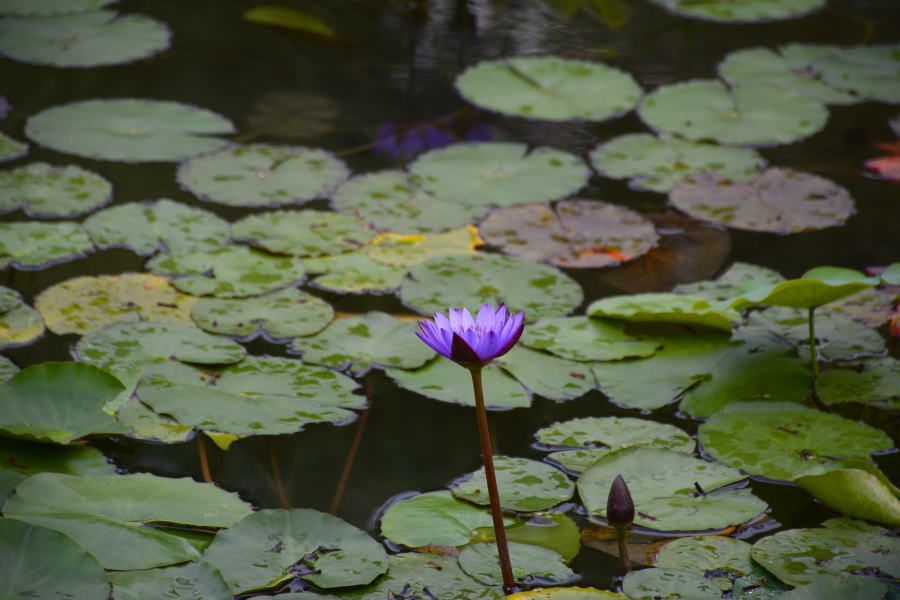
{"points": [[32, 245], [482, 562], [47, 191], [283, 314], [877, 385], [585, 339], [524, 485], [303, 233]]}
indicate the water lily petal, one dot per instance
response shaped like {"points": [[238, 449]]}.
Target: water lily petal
{"points": [[462, 353], [486, 346], [467, 321], [434, 346], [455, 319], [441, 321], [485, 320]]}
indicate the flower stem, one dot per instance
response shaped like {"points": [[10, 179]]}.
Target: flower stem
{"points": [[509, 581], [621, 533], [814, 358]]}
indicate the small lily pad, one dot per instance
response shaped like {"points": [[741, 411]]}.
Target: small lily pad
{"points": [[47, 191], [11, 149], [472, 281], [660, 308], [746, 11], [129, 130], [28, 458], [656, 163], [877, 385], [550, 88], [146, 227], [754, 115], [283, 314], [33, 245], [843, 546], [482, 562], [498, 174], [524, 485], [373, 339], [303, 233], [228, 272], [147, 425], [86, 304], [258, 552], [837, 337], [19, 326], [651, 584], [855, 487], [93, 39], [579, 234], [867, 71], [585, 339], [263, 175], [49, 8], [194, 580], [258, 396], [779, 201], [666, 488], [720, 558], [777, 440], [409, 250], [388, 201], [354, 273], [614, 433]]}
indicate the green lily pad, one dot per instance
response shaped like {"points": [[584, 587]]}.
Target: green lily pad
{"points": [[387, 200], [482, 562], [409, 250], [146, 227], [546, 375], [28, 458], [719, 558], [7, 369], [550, 88], [93, 39], [800, 556], [354, 273], [567, 593], [855, 487], [872, 307], [614, 433], [779, 439], [258, 396], [726, 286], [263, 175], [19, 326], [49, 8], [756, 115], [576, 461], [813, 289], [524, 485], [585, 339], [284, 314], [148, 425], [32, 245], [257, 553], [9, 299], [710, 370], [878, 385], [839, 588], [47, 191], [760, 584], [57, 402], [471, 281], [198, 580], [665, 583], [86, 304], [129, 130], [580, 234], [553, 530], [778, 201], [303, 233], [373, 339], [498, 174], [8, 480], [228, 272], [42, 563], [413, 573], [11, 148], [660, 308], [891, 275], [656, 163], [837, 337], [746, 11], [869, 72], [663, 485], [112, 516]]}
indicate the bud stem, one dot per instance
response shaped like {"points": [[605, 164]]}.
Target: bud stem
{"points": [[621, 533]]}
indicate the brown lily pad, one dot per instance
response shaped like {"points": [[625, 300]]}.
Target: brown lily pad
{"points": [[579, 234], [779, 201], [293, 115]]}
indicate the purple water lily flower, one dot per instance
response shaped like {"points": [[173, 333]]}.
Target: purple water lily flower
{"points": [[473, 342]]}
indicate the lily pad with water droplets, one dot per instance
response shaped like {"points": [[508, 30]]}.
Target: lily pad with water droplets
{"points": [[409, 250], [550, 88], [877, 385], [19, 326], [471, 281], [263, 175], [28, 458], [354, 273], [524, 485], [228, 272], [777, 440], [869, 72], [373, 339], [650, 584], [755, 115], [129, 130], [779, 201], [87, 304], [663, 485], [258, 396], [585, 339], [720, 558], [745, 11], [258, 552], [11, 149], [482, 562], [284, 314], [146, 227], [198, 580], [47, 191], [656, 163], [837, 337], [33, 245], [800, 556], [49, 8], [148, 425], [93, 39], [660, 308], [388, 201], [579, 234], [303, 233], [854, 487], [498, 174], [113, 516]]}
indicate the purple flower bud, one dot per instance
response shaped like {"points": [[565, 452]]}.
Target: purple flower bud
{"points": [[473, 342], [619, 505]]}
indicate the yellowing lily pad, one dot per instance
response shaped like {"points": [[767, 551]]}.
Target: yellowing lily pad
{"points": [[47, 191], [283, 314], [20, 325], [303, 233], [33, 245], [408, 250]]}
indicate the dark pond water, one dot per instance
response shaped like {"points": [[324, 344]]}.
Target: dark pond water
{"points": [[400, 66]]}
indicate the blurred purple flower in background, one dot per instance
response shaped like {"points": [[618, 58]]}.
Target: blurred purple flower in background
{"points": [[5, 107], [404, 141], [473, 342]]}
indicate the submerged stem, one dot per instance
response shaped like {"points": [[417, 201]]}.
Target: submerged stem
{"points": [[509, 581], [621, 533], [204, 462], [814, 359]]}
